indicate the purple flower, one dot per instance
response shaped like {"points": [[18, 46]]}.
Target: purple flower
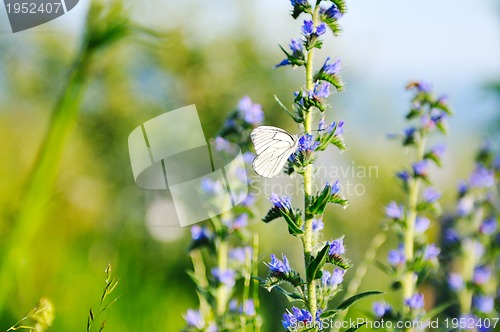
{"points": [[431, 252], [194, 318], [222, 145], [394, 211], [409, 134], [416, 301], [292, 319], [438, 117], [340, 128], [456, 282], [281, 203], [334, 187], [381, 308], [320, 29], [422, 224], [308, 28], [484, 304], [330, 68], [249, 308], [317, 225], [296, 45], [299, 2], [465, 206], [431, 195], [482, 275], [239, 254], [248, 157], [396, 257], [278, 267], [439, 150], [424, 87], [211, 187], [226, 277], [332, 279], [320, 91], [307, 143], [451, 236], [252, 113], [239, 222], [199, 233], [332, 13], [403, 176], [488, 227], [463, 188], [336, 247], [482, 177], [420, 168]]}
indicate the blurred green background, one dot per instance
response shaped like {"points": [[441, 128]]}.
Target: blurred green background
{"points": [[212, 54]]}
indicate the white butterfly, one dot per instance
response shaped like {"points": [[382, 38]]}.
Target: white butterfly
{"points": [[273, 147]]}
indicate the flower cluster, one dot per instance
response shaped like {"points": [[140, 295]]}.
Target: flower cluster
{"points": [[324, 262], [416, 258], [227, 240], [472, 238]]}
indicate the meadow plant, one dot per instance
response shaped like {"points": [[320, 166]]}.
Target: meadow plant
{"points": [[472, 238], [228, 296], [324, 262], [415, 257], [39, 319]]}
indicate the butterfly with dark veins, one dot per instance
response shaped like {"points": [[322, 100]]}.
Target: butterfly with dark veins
{"points": [[273, 147]]}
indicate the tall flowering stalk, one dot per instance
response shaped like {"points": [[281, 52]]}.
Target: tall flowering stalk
{"points": [[415, 257], [314, 291], [226, 240], [472, 238]]}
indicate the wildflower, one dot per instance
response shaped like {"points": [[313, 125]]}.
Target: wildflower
{"points": [[332, 13], [416, 301], [451, 236], [330, 68], [396, 257], [317, 225], [403, 176], [309, 30], [277, 267], [380, 309], [296, 45], [465, 206], [438, 117], [431, 195], [320, 91], [299, 2], [249, 308], [248, 157], [488, 227], [394, 211], [194, 318], [222, 144], [463, 188], [199, 233], [334, 187], [422, 87], [422, 224], [210, 186], [239, 254], [484, 304], [482, 178], [296, 56], [340, 128], [226, 277], [439, 150], [296, 317], [431, 252], [307, 143], [336, 247], [409, 135], [332, 279], [420, 168], [482, 275], [239, 222], [281, 203], [252, 112], [456, 282]]}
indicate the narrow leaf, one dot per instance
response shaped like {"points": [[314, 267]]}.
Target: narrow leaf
{"points": [[350, 301]]}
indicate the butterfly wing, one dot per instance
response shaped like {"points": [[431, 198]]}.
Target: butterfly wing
{"points": [[273, 147]]}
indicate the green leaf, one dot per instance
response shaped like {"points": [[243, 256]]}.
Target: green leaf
{"points": [[436, 311], [295, 118], [350, 301], [291, 297], [329, 314], [357, 327], [293, 228], [317, 263]]}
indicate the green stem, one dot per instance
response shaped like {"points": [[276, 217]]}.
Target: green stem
{"points": [[200, 273], [409, 283], [38, 192], [256, 282], [222, 290], [361, 271], [308, 179]]}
